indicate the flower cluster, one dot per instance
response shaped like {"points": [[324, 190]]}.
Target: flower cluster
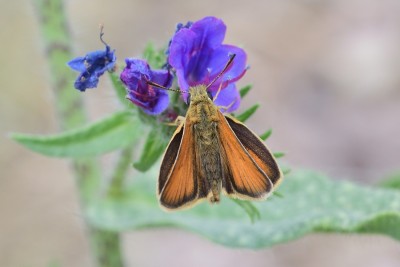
{"points": [[195, 54], [92, 66], [198, 56], [137, 72]]}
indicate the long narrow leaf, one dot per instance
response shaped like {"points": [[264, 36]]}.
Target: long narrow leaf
{"points": [[153, 149], [247, 114], [245, 90], [116, 131], [266, 135]]}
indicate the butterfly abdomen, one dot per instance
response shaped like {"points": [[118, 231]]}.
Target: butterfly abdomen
{"points": [[209, 158]]}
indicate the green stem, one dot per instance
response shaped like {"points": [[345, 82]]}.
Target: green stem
{"points": [[104, 245], [71, 114], [120, 171]]}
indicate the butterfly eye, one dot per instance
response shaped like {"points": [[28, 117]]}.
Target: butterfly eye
{"points": [[210, 95]]}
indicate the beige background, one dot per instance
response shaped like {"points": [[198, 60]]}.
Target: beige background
{"points": [[327, 74]]}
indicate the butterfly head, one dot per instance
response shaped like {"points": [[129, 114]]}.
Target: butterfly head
{"points": [[198, 94]]}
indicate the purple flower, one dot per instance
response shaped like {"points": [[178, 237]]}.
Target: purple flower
{"points": [[91, 67], [152, 100], [197, 54]]}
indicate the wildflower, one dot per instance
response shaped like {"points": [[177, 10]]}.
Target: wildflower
{"points": [[135, 76], [92, 66], [197, 54]]}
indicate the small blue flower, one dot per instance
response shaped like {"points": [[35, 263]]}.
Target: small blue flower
{"points": [[197, 54], [135, 76], [91, 67]]}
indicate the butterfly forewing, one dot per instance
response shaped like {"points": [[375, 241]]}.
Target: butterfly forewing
{"points": [[257, 150], [179, 187], [169, 158], [243, 178]]}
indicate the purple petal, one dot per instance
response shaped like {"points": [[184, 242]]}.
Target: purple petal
{"points": [[229, 96], [155, 107], [211, 31], [162, 77], [110, 61], [192, 48], [151, 99], [181, 46], [99, 60], [198, 56], [161, 104], [93, 56], [221, 56], [133, 72], [86, 81], [183, 85], [91, 67], [77, 64], [138, 66]]}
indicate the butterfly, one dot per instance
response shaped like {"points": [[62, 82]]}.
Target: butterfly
{"points": [[210, 153]]}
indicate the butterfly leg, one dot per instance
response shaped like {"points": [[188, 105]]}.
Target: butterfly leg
{"points": [[178, 121], [225, 108], [216, 95]]}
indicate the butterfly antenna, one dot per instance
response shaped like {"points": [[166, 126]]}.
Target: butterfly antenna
{"points": [[228, 64], [165, 88]]}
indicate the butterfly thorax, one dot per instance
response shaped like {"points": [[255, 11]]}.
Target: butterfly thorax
{"points": [[203, 117], [201, 110]]}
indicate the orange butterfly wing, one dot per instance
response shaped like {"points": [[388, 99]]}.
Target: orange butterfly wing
{"points": [[178, 182], [257, 150], [242, 175]]}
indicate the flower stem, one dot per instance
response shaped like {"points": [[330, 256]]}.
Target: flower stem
{"points": [[71, 114], [104, 245], [118, 177]]}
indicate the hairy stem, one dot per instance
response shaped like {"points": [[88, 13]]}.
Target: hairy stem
{"points": [[71, 114], [120, 171]]}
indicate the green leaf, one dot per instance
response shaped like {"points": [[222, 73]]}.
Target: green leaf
{"points": [[116, 131], [149, 51], [278, 154], [393, 181], [155, 58], [286, 170], [266, 135], [249, 208], [153, 149], [120, 90], [312, 203], [245, 90], [247, 114], [277, 194]]}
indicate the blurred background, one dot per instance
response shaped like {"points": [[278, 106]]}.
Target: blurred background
{"points": [[327, 76]]}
